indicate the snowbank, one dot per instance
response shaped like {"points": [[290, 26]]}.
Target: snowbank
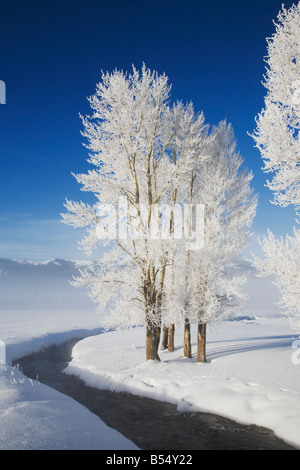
{"points": [[250, 375], [36, 417], [40, 308]]}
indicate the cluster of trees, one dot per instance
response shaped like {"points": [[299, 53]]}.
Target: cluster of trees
{"points": [[173, 204], [277, 137]]}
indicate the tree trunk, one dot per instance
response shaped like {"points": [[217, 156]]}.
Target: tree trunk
{"points": [[171, 338], [201, 342], [152, 342], [152, 333], [149, 354], [164, 341], [187, 348], [157, 334]]}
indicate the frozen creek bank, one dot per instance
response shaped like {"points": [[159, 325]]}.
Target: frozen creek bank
{"points": [[252, 374], [149, 423]]}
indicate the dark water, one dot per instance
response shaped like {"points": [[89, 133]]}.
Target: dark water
{"points": [[150, 424]]}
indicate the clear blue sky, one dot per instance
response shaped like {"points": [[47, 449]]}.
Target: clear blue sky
{"points": [[51, 57]]}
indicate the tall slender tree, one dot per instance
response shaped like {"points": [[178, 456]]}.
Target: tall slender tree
{"points": [[278, 124], [277, 138], [206, 286], [224, 188]]}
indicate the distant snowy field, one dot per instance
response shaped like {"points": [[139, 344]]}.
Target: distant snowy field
{"points": [[250, 375]]}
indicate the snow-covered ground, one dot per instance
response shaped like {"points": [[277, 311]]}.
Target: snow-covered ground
{"points": [[252, 374], [39, 308], [36, 417], [249, 377]]}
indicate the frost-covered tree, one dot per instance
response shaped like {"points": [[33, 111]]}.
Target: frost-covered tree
{"points": [[282, 259], [141, 147], [278, 125], [207, 285], [277, 137], [193, 141], [224, 187]]}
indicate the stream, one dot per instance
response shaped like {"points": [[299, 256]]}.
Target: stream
{"points": [[150, 424]]}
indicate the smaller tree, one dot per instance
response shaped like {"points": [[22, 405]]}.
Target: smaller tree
{"points": [[206, 286], [214, 286], [282, 259]]}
